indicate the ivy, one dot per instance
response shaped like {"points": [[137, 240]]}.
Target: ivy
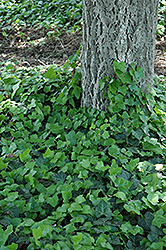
{"points": [[77, 178]]}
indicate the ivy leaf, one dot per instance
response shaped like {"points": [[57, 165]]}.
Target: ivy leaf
{"points": [[62, 98], [128, 228], [80, 199], [126, 78], [77, 238], [75, 207], [3, 165], [70, 228], [121, 195], [77, 92], [37, 233], [32, 104], [46, 229], [13, 246], [66, 195], [5, 234], [122, 184], [100, 166], [101, 84], [114, 151], [153, 198], [159, 218], [139, 73], [71, 136], [114, 240], [152, 145], [147, 221], [15, 88], [50, 73], [119, 67], [132, 164], [125, 175], [138, 134], [153, 235], [134, 206], [48, 154], [59, 177], [53, 200], [25, 156], [102, 209], [56, 128]]}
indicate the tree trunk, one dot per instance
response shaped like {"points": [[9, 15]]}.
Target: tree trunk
{"points": [[116, 29]]}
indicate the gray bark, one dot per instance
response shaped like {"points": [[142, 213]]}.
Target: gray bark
{"points": [[116, 29]]}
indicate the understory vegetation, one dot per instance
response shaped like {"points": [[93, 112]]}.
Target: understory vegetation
{"points": [[77, 178]]}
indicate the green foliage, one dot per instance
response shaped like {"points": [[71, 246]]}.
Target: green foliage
{"points": [[162, 18], [61, 14], [71, 177], [77, 178]]}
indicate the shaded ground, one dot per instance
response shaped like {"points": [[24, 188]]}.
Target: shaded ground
{"points": [[38, 47], [33, 47]]}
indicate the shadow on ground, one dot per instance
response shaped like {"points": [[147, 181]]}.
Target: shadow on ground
{"points": [[34, 47]]}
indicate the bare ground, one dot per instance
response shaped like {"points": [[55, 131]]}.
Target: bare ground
{"points": [[34, 47]]}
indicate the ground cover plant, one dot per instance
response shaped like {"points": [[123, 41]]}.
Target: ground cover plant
{"points": [[71, 177], [76, 178], [57, 14], [161, 17]]}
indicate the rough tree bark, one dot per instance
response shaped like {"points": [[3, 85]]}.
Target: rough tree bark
{"points": [[116, 29]]}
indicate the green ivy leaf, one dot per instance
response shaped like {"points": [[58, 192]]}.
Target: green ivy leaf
{"points": [[53, 200], [75, 207], [128, 228], [114, 151], [25, 156], [62, 98], [122, 184], [119, 67], [46, 229], [101, 84], [100, 166], [13, 246], [139, 73], [77, 238], [50, 73], [60, 177], [103, 209], [71, 136], [48, 154], [5, 234], [3, 165], [121, 195], [153, 197], [15, 88], [134, 206], [70, 228], [66, 195], [138, 134], [77, 92], [12, 196], [37, 233], [80, 199], [159, 218], [132, 164]]}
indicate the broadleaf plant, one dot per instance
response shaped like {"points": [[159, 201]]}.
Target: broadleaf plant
{"points": [[77, 178]]}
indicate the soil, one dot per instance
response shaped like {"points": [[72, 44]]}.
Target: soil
{"points": [[34, 47]]}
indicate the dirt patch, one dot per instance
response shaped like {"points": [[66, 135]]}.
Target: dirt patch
{"points": [[34, 47], [160, 59]]}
